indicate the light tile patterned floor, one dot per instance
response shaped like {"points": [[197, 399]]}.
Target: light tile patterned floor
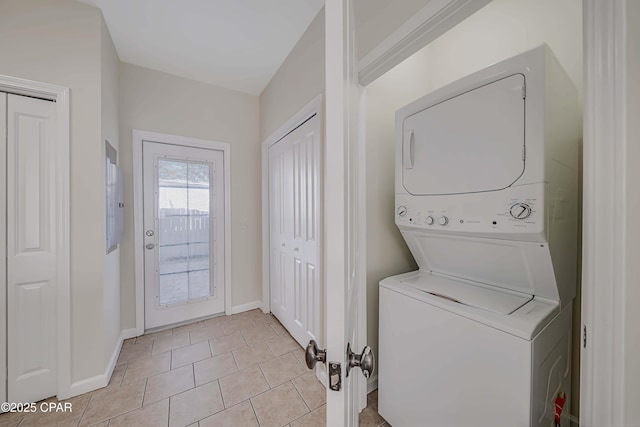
{"points": [[239, 370]]}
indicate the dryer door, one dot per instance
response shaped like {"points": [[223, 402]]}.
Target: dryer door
{"points": [[470, 143]]}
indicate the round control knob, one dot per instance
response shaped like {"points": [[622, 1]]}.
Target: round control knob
{"points": [[520, 211], [429, 220], [443, 220], [402, 210]]}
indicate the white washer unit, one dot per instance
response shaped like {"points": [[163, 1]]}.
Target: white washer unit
{"points": [[486, 199]]}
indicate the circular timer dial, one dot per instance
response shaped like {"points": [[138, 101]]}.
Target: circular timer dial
{"points": [[402, 210], [520, 211]]}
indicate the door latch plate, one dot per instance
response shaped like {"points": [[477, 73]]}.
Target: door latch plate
{"points": [[335, 376]]}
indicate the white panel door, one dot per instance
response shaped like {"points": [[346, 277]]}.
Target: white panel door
{"points": [[184, 208], [31, 255], [294, 226], [344, 216]]}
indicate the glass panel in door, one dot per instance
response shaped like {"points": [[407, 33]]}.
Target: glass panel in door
{"points": [[183, 231]]}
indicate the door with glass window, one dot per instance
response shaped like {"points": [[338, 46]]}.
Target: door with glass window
{"points": [[183, 233]]}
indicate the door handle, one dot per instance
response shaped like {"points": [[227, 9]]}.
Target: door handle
{"points": [[314, 355], [150, 246], [364, 360], [407, 150]]}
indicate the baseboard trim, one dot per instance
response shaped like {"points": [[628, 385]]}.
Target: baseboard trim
{"points": [[87, 385], [246, 307], [372, 383], [128, 333], [102, 380]]}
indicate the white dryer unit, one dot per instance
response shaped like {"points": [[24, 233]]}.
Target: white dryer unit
{"points": [[486, 199]]}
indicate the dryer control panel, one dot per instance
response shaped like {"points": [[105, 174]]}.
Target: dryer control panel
{"points": [[513, 212]]}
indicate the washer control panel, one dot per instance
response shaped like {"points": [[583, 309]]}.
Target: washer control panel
{"points": [[518, 210]]}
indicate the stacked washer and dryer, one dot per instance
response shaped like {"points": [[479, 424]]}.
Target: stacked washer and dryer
{"points": [[487, 201]]}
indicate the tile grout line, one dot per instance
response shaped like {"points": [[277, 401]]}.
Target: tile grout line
{"points": [[193, 370], [299, 394], [86, 407], [169, 409], [255, 414], [126, 365]]}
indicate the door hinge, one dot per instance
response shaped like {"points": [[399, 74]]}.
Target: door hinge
{"points": [[584, 336], [524, 91], [335, 376]]}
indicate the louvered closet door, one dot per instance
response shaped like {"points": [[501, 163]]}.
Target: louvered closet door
{"points": [[294, 209]]}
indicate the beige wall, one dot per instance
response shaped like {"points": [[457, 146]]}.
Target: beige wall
{"points": [[378, 19], [387, 254], [499, 30], [159, 102], [110, 131], [298, 80], [59, 42]]}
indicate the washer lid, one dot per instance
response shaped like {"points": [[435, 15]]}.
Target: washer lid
{"points": [[478, 296]]}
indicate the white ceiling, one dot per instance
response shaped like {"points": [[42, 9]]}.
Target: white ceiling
{"points": [[236, 44]]}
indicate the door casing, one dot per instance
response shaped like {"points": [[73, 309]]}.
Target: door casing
{"points": [[607, 373], [138, 228]]}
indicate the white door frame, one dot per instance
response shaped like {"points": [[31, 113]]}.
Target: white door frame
{"points": [[60, 95], [138, 225], [610, 249], [314, 107]]}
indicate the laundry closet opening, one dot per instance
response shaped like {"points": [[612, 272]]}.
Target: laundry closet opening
{"points": [[484, 38]]}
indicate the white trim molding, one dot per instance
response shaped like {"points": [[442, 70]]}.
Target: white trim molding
{"points": [[610, 252], [437, 17], [102, 380], [313, 108], [246, 307], [138, 137], [60, 95]]}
